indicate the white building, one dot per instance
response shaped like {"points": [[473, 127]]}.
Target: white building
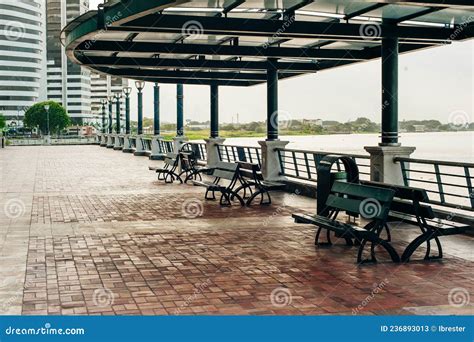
{"points": [[21, 56], [65, 79]]}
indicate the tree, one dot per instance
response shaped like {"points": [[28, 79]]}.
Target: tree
{"points": [[36, 116], [3, 121]]}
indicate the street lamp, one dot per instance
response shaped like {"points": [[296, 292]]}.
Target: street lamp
{"points": [[140, 85], [127, 91], [104, 103], [118, 96]]}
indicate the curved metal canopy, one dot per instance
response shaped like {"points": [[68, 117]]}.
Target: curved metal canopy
{"points": [[232, 42]]}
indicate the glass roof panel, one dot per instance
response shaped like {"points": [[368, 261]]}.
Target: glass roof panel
{"points": [[451, 16]]}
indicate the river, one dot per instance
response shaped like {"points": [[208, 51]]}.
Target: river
{"points": [[449, 146]]}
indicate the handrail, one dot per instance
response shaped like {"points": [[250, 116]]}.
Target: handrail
{"points": [[361, 156], [430, 161], [449, 184], [234, 153]]}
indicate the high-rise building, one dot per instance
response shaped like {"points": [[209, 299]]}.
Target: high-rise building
{"points": [[21, 57], [103, 86], [68, 83]]}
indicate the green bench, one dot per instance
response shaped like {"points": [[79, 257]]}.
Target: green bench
{"points": [[168, 171], [223, 172], [372, 203], [252, 176], [411, 206]]}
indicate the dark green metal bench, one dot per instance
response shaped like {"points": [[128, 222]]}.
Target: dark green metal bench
{"points": [[223, 171], [411, 206], [168, 171], [251, 175], [190, 168], [373, 203]]}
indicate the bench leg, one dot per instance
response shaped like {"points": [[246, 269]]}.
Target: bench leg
{"points": [[262, 194], [206, 196], [328, 238], [421, 239], [375, 241], [387, 230]]}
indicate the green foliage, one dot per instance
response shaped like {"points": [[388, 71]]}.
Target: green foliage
{"points": [[36, 116], [3, 121]]}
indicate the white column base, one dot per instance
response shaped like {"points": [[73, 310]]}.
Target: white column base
{"points": [[212, 152], [270, 162], [140, 148], [103, 140], [382, 167], [127, 146], [117, 143], [110, 141], [156, 151]]}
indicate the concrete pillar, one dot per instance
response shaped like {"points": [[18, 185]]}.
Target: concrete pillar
{"points": [[110, 141], [270, 162], [140, 149], [212, 152], [382, 167], [103, 140], [118, 145]]}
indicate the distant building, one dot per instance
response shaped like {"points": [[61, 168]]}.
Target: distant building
{"points": [[103, 86], [68, 83], [313, 122], [419, 128], [21, 55]]}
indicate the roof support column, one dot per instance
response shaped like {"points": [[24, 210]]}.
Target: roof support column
{"points": [[110, 141], [214, 111], [382, 166], [212, 144], [140, 112], [271, 165], [157, 152], [118, 143], [272, 100], [180, 138], [389, 91], [156, 109], [140, 149]]}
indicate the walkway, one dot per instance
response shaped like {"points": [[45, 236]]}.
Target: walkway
{"points": [[85, 230]]}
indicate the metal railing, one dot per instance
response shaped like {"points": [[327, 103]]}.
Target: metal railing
{"points": [[199, 149], [303, 164], [449, 184], [146, 144], [232, 154]]}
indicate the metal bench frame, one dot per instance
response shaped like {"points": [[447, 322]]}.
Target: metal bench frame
{"points": [[350, 197], [226, 171], [168, 171]]}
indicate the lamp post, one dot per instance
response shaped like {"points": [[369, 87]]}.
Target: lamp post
{"points": [[127, 91], [110, 101], [140, 85], [103, 102], [118, 96]]}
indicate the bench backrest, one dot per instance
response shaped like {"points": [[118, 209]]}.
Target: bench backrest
{"points": [[251, 171], [171, 159], [226, 170], [368, 201], [409, 200]]}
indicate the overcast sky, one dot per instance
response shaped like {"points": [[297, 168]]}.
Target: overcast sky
{"points": [[433, 84]]}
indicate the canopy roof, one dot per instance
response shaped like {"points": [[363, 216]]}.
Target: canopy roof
{"points": [[231, 42]]}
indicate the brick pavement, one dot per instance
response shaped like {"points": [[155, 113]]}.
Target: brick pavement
{"points": [[85, 230]]}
